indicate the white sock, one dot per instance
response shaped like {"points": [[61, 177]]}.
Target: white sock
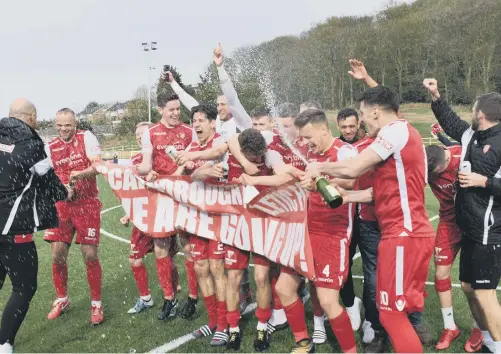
{"points": [[448, 318], [318, 322], [278, 317], [262, 326], [96, 303], [146, 298], [62, 299], [235, 329], [488, 341], [497, 346]]}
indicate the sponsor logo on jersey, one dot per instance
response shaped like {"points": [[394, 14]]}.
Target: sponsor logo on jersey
{"points": [[72, 159], [400, 305]]}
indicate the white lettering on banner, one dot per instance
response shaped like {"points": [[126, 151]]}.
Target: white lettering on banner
{"points": [[227, 231], [198, 193], [164, 216], [139, 213], [115, 178], [242, 237], [277, 244], [123, 180], [257, 235], [181, 189], [282, 201], [187, 218], [203, 228]]}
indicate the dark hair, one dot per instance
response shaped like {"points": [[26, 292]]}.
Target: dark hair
{"points": [[252, 142], [286, 109], [311, 105], [435, 156], [345, 113], [382, 96], [208, 109], [163, 98], [490, 105], [66, 110], [84, 125], [260, 112], [312, 116]]}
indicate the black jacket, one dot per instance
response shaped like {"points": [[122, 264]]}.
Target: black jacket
{"points": [[478, 210], [29, 187], [446, 142]]}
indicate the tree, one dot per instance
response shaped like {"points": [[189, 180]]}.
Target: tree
{"points": [[92, 107], [137, 111]]}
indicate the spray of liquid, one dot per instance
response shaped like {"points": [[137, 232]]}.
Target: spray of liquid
{"points": [[271, 101]]}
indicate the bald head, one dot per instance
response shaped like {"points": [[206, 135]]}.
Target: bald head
{"points": [[24, 110]]}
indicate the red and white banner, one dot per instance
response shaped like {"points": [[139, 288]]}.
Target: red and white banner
{"points": [[272, 223]]}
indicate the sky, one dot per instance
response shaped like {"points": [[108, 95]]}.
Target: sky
{"points": [[60, 53]]}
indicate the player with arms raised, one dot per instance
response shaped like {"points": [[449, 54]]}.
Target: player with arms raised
{"points": [[407, 237], [72, 155]]}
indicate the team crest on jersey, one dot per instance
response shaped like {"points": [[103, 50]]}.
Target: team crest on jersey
{"points": [[400, 305], [486, 148], [181, 135]]}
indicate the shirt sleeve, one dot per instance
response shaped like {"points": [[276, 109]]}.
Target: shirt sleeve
{"points": [[92, 148], [147, 147], [188, 101], [390, 139], [47, 151], [273, 159], [242, 118]]}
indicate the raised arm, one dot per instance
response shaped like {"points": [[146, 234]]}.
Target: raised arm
{"points": [[447, 118], [147, 151], [242, 119], [359, 72], [188, 101]]}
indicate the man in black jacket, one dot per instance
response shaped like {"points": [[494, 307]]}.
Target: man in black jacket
{"points": [[478, 205], [29, 189]]}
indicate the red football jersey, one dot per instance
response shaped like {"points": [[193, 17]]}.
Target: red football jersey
{"points": [[68, 156], [366, 211], [212, 142], [444, 187], [288, 156], [399, 182], [159, 137], [322, 219]]}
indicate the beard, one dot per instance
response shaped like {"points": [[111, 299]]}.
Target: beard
{"points": [[474, 123]]}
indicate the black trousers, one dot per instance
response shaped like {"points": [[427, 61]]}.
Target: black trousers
{"points": [[20, 263], [347, 292]]}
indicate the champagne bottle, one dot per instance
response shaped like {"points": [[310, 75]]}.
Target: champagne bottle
{"points": [[329, 194], [171, 151], [226, 168]]}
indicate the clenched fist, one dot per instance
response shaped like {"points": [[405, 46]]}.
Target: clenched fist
{"points": [[432, 86]]}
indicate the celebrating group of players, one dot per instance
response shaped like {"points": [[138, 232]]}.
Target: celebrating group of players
{"points": [[381, 171]]}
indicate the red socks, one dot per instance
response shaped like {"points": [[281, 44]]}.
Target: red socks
{"points": [[341, 326], [211, 306], [192, 278], [164, 271], [263, 315], [233, 318], [222, 323], [296, 318], [60, 278], [141, 276], [94, 276], [402, 334]]}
